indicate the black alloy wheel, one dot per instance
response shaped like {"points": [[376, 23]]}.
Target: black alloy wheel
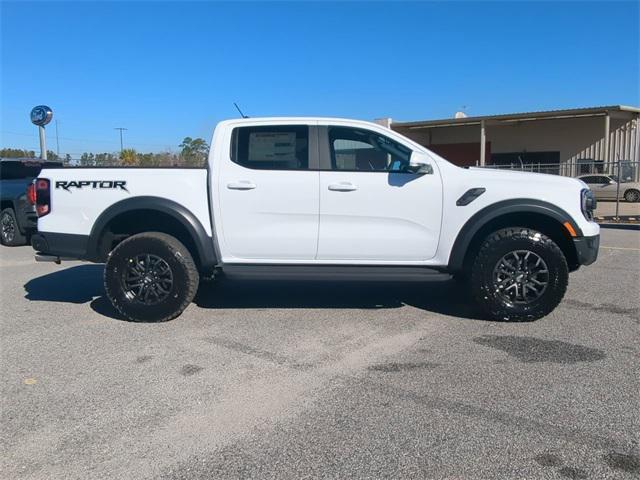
{"points": [[10, 234], [147, 279]]}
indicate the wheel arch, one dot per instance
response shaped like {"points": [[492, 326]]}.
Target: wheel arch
{"points": [[542, 216], [142, 214], [7, 203]]}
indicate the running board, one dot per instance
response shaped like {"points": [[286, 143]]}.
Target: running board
{"points": [[334, 272], [41, 257]]}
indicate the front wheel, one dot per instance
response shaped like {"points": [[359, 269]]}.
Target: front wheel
{"points": [[519, 274], [150, 277]]}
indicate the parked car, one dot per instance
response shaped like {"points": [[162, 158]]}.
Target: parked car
{"points": [[605, 187], [318, 197], [17, 215]]}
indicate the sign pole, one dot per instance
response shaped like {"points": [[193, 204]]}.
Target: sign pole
{"points": [[40, 116], [43, 143]]}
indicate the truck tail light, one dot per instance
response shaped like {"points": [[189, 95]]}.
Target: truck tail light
{"points": [[43, 196], [31, 194]]}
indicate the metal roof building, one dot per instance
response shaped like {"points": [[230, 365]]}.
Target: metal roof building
{"points": [[568, 142]]}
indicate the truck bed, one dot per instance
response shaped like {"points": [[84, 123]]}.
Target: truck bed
{"points": [[79, 195]]}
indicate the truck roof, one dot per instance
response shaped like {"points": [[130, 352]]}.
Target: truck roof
{"points": [[300, 120]]}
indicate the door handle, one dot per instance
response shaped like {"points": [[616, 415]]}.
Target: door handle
{"points": [[241, 185], [343, 187]]}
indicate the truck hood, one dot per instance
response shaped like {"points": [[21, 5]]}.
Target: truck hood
{"points": [[530, 181]]}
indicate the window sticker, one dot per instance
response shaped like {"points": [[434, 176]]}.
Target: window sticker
{"points": [[272, 146]]}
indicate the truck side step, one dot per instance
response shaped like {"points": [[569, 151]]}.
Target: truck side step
{"points": [[41, 257]]}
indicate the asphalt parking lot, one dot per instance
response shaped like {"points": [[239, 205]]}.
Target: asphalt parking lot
{"points": [[307, 379]]}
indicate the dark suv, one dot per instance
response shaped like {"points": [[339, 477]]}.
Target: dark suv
{"points": [[18, 218]]}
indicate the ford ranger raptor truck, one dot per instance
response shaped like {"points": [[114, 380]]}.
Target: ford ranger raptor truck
{"points": [[318, 196]]}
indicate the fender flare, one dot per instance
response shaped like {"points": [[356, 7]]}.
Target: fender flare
{"points": [[202, 241], [495, 210]]}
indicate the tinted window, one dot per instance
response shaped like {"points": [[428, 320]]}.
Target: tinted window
{"points": [[363, 150], [12, 170], [272, 147]]}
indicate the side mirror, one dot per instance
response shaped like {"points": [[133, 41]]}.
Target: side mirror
{"points": [[419, 163]]}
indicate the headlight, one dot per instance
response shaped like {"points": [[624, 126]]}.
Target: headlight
{"points": [[588, 203]]}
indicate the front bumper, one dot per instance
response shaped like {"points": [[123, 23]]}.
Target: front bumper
{"points": [[587, 249]]}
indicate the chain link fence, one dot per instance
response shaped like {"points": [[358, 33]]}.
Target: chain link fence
{"points": [[594, 173], [625, 170]]}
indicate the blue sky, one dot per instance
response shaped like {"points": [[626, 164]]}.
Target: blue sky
{"points": [[166, 70]]}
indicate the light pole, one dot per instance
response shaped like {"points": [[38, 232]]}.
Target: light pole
{"points": [[121, 144]]}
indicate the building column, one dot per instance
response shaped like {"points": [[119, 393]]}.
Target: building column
{"points": [[607, 132], [483, 141]]}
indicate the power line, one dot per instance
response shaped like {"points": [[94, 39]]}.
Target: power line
{"points": [[90, 140]]}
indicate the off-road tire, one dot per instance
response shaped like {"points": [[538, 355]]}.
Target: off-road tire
{"points": [[483, 286], [632, 196], [13, 237], [184, 275]]}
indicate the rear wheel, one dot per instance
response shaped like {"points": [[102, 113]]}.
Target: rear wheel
{"points": [[9, 231], [519, 274], [632, 196], [150, 277]]}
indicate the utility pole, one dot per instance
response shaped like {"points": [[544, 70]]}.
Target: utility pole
{"points": [[121, 144]]}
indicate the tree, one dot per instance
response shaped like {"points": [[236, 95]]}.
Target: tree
{"points": [[87, 160], [16, 153], [194, 151], [106, 159], [146, 159], [128, 157]]}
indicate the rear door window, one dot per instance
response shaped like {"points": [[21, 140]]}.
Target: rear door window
{"points": [[281, 147]]}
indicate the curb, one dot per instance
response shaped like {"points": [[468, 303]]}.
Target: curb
{"points": [[620, 226]]}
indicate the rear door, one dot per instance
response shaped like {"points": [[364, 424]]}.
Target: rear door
{"points": [[268, 194], [372, 208]]}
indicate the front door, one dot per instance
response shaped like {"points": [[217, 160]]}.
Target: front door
{"points": [[372, 208], [269, 194]]}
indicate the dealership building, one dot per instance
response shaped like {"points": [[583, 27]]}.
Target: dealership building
{"points": [[566, 142]]}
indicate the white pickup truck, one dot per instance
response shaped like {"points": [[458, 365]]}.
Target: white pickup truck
{"points": [[318, 196]]}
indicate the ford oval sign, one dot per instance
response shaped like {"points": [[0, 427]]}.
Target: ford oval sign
{"points": [[41, 115]]}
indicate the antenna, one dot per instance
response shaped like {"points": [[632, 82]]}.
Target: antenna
{"points": [[240, 111]]}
